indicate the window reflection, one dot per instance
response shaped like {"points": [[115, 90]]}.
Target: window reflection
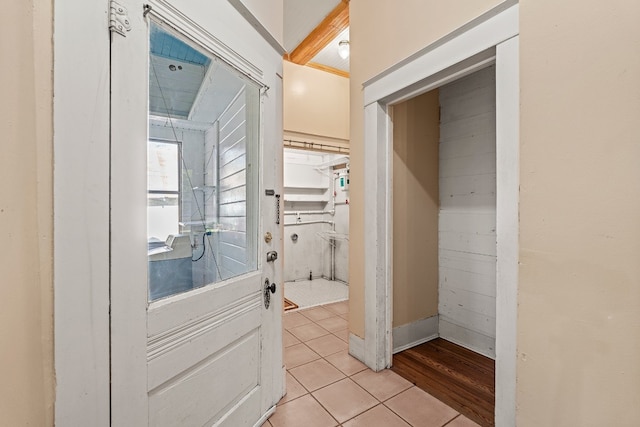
{"points": [[202, 168]]}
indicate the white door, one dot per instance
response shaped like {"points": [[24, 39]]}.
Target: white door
{"points": [[195, 133]]}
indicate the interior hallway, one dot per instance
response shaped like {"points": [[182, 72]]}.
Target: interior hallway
{"points": [[326, 387]]}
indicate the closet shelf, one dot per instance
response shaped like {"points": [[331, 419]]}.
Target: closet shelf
{"points": [[306, 198]]}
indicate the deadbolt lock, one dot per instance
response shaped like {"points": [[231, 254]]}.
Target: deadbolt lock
{"points": [[268, 237]]}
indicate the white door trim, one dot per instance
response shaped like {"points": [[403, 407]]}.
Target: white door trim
{"points": [[507, 226], [81, 213], [491, 38]]}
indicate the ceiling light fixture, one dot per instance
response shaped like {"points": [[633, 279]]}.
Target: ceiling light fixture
{"points": [[343, 49]]}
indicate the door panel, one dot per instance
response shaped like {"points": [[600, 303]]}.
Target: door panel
{"points": [[183, 339], [204, 351], [181, 401]]}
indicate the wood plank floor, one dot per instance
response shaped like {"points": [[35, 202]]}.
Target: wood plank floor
{"points": [[458, 377]]}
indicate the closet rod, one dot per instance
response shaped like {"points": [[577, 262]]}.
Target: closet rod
{"points": [[315, 146]]}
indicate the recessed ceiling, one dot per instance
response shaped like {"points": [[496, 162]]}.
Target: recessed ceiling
{"points": [[329, 55], [186, 83]]}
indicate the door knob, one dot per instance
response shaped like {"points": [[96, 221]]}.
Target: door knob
{"points": [[269, 288], [272, 256]]}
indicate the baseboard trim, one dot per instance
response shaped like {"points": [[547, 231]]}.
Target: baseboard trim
{"points": [[413, 334], [356, 347], [474, 341]]}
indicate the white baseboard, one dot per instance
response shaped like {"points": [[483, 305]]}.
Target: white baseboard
{"points": [[356, 347], [467, 338], [416, 333]]}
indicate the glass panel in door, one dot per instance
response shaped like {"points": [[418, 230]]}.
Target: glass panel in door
{"points": [[202, 167]]}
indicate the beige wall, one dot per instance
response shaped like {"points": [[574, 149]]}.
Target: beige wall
{"points": [[416, 132], [579, 286], [315, 102], [579, 289], [382, 33], [26, 209]]}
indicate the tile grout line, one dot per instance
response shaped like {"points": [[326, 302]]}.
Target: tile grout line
{"points": [[452, 420], [379, 401], [346, 376]]}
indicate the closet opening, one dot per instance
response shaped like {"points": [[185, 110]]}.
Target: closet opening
{"points": [[489, 40], [444, 242]]}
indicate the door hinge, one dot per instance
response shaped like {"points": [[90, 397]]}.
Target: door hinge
{"points": [[118, 19]]}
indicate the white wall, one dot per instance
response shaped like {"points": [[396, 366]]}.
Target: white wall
{"points": [[310, 188], [467, 220], [234, 251]]}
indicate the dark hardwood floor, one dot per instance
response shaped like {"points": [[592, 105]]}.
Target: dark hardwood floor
{"points": [[458, 377]]}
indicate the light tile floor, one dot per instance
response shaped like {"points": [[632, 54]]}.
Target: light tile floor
{"points": [[326, 387]]}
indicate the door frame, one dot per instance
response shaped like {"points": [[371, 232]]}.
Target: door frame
{"points": [[490, 39]]}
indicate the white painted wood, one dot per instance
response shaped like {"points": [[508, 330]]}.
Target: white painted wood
{"points": [[466, 337], [453, 73], [469, 281], [166, 406], [271, 159], [301, 175], [210, 356], [377, 242], [467, 220], [469, 242], [508, 188], [417, 74], [356, 347], [81, 213], [128, 257], [471, 320], [175, 344], [415, 333], [234, 249]]}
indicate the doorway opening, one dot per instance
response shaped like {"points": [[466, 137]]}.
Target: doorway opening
{"points": [[489, 39], [316, 228], [444, 242]]}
